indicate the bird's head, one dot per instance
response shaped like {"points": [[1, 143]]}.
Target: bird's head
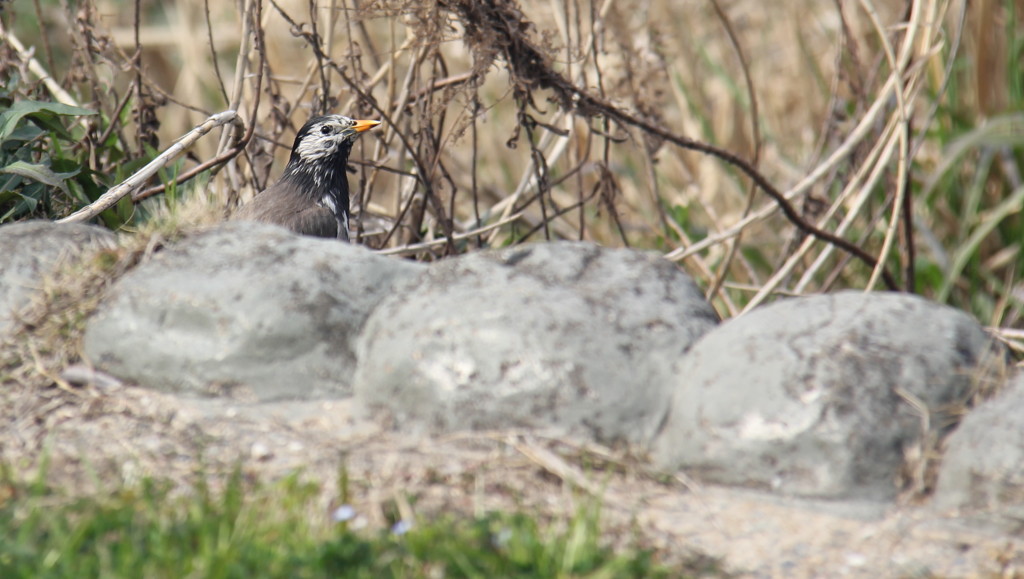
{"points": [[328, 139]]}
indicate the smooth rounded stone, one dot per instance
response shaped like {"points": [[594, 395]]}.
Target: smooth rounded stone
{"points": [[565, 336], [820, 396], [29, 251], [983, 466], [245, 309]]}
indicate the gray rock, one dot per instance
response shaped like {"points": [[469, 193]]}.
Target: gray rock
{"points": [[812, 396], [33, 249], [247, 308], [983, 466], [567, 336]]}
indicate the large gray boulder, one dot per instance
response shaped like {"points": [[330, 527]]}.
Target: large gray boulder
{"points": [[821, 396], [567, 336], [31, 250], [246, 308], [983, 466]]}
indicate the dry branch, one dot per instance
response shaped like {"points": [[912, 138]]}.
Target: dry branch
{"points": [[37, 69], [115, 193], [500, 27]]}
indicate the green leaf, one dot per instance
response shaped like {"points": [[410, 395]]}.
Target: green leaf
{"points": [[41, 110], [24, 133], [39, 172], [1001, 131], [125, 209], [92, 185], [9, 183], [24, 201], [30, 202]]}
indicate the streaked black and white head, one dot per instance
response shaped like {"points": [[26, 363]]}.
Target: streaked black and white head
{"points": [[318, 162], [326, 138]]}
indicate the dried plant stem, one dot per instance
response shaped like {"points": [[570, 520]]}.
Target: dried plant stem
{"points": [[898, 134], [863, 180], [414, 248], [558, 149], [191, 173], [140, 87], [213, 53], [557, 466], [530, 70], [241, 67], [866, 124], [755, 126], [62, 96], [556, 146], [902, 129], [701, 264], [114, 194], [876, 164]]}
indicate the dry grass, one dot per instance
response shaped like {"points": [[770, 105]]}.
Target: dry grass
{"points": [[621, 122], [513, 120], [672, 126]]}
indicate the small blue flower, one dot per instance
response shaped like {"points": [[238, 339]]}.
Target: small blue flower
{"points": [[343, 513], [401, 527], [501, 538]]}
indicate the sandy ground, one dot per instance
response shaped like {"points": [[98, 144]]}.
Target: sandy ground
{"points": [[97, 437]]}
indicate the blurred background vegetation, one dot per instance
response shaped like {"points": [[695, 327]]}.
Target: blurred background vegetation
{"points": [[895, 125]]}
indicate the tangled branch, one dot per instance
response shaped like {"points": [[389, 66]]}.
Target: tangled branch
{"points": [[502, 24]]}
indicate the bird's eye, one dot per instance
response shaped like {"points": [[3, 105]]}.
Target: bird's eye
{"points": [[326, 130]]}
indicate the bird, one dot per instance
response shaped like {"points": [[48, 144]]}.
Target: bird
{"points": [[311, 198]]}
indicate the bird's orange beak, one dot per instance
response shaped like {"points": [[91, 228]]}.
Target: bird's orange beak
{"points": [[361, 126]]}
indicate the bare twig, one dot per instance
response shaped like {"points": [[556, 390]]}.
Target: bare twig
{"points": [[114, 194], [191, 173], [755, 127], [139, 87], [555, 465], [902, 129], [528, 68], [213, 52], [415, 248], [37, 69]]}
